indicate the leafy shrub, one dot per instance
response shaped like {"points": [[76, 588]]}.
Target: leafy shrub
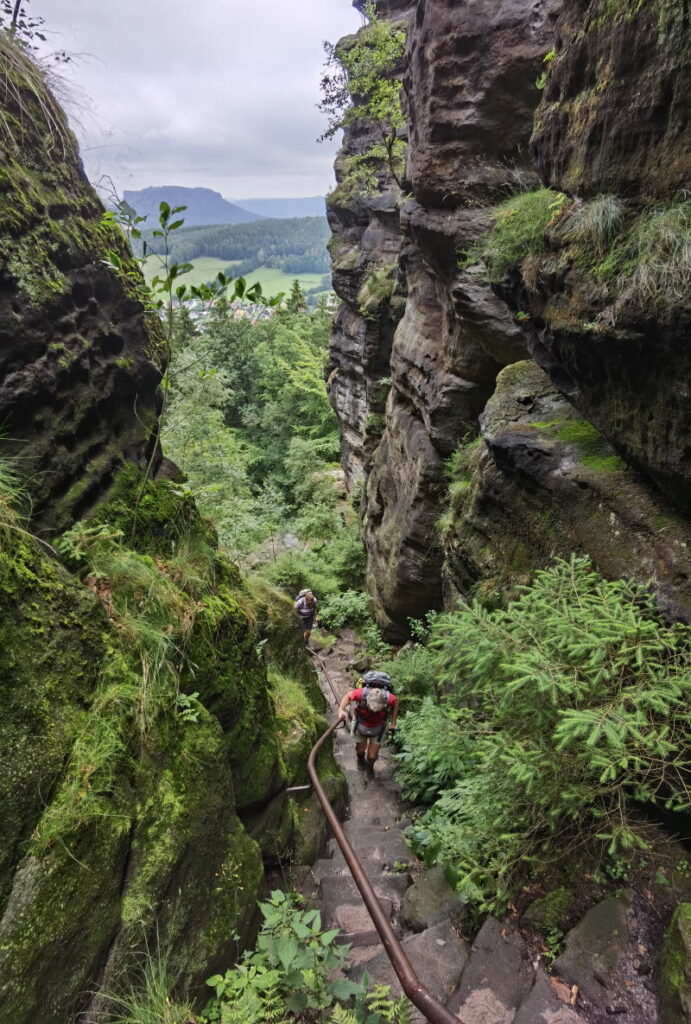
{"points": [[288, 971], [519, 229], [435, 748], [577, 702], [350, 608], [298, 569], [413, 672]]}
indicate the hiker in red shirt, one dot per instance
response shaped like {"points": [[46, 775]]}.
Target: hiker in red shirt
{"points": [[374, 702]]}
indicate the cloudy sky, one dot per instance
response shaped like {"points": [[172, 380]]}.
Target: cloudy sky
{"points": [[215, 93]]}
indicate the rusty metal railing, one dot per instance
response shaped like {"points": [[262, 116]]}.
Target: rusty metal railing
{"points": [[428, 1004]]}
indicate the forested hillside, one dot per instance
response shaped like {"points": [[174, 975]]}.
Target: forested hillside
{"points": [[294, 245]]}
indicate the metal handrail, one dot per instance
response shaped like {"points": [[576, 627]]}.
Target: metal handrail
{"points": [[428, 1004]]}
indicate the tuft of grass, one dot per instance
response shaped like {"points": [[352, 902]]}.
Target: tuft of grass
{"points": [[28, 108], [660, 251], [519, 229], [595, 224], [148, 1000]]}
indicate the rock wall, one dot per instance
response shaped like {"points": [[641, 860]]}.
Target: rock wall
{"points": [[139, 808], [489, 117], [80, 359]]}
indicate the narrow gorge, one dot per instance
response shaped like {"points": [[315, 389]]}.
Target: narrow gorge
{"points": [[508, 376]]}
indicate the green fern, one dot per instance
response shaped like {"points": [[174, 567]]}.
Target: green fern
{"points": [[339, 1015]]}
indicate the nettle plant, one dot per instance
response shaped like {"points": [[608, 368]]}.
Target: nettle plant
{"points": [[364, 70]]}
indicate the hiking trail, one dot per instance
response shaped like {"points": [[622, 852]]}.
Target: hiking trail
{"points": [[495, 979]]}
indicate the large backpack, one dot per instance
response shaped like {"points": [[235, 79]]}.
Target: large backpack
{"points": [[374, 681]]}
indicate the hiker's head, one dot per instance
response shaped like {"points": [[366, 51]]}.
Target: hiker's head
{"points": [[377, 699]]}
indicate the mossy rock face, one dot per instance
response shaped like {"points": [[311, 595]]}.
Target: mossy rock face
{"points": [[675, 969], [544, 483], [80, 360], [613, 112], [194, 874], [153, 515], [231, 682], [51, 646], [551, 912], [59, 923]]}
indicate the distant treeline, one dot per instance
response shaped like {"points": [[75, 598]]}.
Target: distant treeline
{"points": [[295, 245]]}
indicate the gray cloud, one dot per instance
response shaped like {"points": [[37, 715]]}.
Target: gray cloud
{"points": [[200, 92]]}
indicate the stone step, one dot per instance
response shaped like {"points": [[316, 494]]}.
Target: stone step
{"points": [[496, 979], [372, 822], [385, 848], [326, 867], [357, 927], [342, 888], [543, 1006], [437, 956]]}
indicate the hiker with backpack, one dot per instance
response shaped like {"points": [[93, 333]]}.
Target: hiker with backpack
{"points": [[306, 608], [375, 699]]}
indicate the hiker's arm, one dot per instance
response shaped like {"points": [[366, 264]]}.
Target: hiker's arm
{"points": [[342, 713], [394, 714]]}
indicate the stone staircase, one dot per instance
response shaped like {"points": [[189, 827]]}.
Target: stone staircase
{"points": [[492, 981]]}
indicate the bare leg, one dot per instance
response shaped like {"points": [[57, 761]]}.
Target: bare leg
{"points": [[373, 751], [360, 748]]}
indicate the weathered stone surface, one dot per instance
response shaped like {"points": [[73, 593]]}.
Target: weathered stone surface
{"points": [[545, 483], [429, 900], [614, 115], [594, 949], [80, 361], [675, 969], [496, 978], [542, 1006], [470, 89], [437, 953]]}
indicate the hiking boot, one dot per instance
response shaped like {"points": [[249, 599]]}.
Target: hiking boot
{"points": [[360, 759], [369, 768]]}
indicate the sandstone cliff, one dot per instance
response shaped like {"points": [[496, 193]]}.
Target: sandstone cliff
{"points": [[143, 763], [576, 109]]}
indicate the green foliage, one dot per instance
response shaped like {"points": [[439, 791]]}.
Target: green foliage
{"points": [[659, 248], [289, 972], [519, 229], [292, 976], [249, 422], [595, 224], [435, 748], [574, 701], [377, 288], [413, 671], [350, 608], [365, 68]]}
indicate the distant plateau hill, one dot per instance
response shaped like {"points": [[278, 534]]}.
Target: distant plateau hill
{"points": [[204, 206]]}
